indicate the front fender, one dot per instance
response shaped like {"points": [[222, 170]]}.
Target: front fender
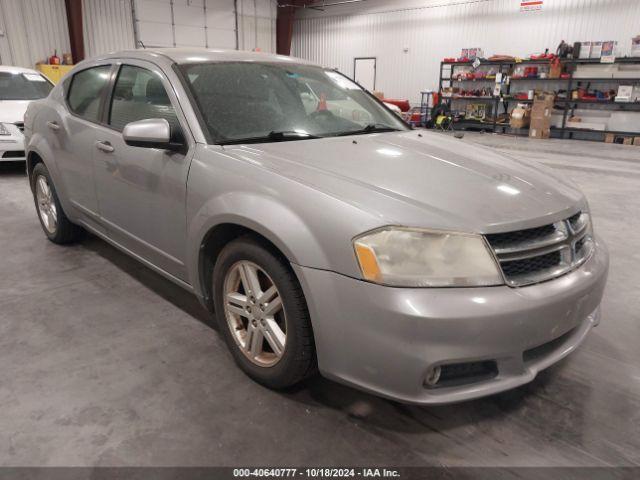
{"points": [[309, 226], [276, 223]]}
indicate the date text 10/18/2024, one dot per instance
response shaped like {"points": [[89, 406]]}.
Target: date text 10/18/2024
{"points": [[316, 472]]}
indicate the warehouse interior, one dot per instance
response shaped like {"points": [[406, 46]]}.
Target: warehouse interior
{"points": [[107, 362]]}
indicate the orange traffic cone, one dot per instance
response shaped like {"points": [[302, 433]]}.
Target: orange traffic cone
{"points": [[322, 104]]}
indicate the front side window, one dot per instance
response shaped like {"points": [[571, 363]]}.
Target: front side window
{"points": [[85, 93], [138, 95], [273, 102], [23, 86]]}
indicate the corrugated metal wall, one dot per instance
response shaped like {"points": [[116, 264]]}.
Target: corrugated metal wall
{"points": [[107, 25], [32, 29], [432, 32]]}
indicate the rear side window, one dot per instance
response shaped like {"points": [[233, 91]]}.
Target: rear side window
{"points": [[86, 91], [139, 95]]}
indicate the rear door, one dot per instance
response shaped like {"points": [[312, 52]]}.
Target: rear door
{"points": [[142, 191], [71, 135]]}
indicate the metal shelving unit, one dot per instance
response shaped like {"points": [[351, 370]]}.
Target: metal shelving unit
{"points": [[567, 105], [504, 68]]}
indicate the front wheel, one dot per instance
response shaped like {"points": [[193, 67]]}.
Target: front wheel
{"points": [[262, 314], [53, 220]]}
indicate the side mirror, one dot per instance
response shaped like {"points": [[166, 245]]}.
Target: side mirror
{"points": [[150, 133]]}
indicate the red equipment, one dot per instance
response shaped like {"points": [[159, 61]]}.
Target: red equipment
{"points": [[403, 105], [54, 59]]}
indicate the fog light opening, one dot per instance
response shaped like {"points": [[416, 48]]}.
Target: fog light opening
{"points": [[433, 376]]}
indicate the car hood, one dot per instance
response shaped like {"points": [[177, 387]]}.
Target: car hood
{"points": [[424, 179], [12, 111]]}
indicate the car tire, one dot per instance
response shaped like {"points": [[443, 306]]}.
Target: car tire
{"points": [[55, 224], [271, 367]]}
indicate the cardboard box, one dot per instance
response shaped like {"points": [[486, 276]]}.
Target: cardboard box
{"points": [[542, 102], [541, 133], [541, 116], [541, 112], [625, 93], [608, 53], [520, 117], [540, 123], [539, 129], [555, 70], [544, 97], [621, 139], [635, 46], [585, 50]]}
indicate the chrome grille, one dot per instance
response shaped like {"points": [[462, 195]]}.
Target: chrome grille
{"points": [[537, 254], [527, 266]]}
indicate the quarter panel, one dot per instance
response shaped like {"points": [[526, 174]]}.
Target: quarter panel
{"points": [[41, 141]]}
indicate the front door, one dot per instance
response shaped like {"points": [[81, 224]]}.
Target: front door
{"points": [[141, 191]]}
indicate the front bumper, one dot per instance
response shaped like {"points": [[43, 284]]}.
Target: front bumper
{"points": [[385, 340]]}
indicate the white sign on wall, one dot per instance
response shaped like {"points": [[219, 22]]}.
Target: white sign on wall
{"points": [[531, 5]]}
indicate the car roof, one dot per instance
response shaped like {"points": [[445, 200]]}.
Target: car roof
{"points": [[11, 69], [202, 55]]}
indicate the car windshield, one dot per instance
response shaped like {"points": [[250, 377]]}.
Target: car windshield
{"points": [[23, 86], [242, 101]]}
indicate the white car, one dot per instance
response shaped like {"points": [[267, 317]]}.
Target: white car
{"points": [[18, 87]]}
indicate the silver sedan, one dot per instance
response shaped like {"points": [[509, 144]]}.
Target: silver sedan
{"points": [[321, 231]]}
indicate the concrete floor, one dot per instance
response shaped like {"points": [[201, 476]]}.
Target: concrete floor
{"points": [[105, 363]]}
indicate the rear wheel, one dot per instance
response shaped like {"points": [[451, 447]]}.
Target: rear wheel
{"points": [[262, 314], [53, 220]]}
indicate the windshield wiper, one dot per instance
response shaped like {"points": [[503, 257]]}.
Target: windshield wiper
{"points": [[275, 136], [370, 128]]}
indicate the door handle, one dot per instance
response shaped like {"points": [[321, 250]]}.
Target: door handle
{"points": [[105, 147], [53, 125]]}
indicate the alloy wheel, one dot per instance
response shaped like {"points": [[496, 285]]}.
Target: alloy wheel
{"points": [[46, 204], [254, 313]]}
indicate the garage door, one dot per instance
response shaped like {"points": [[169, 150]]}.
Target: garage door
{"points": [[206, 23]]}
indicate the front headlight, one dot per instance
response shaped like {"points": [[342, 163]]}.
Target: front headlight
{"points": [[3, 130], [406, 257]]}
